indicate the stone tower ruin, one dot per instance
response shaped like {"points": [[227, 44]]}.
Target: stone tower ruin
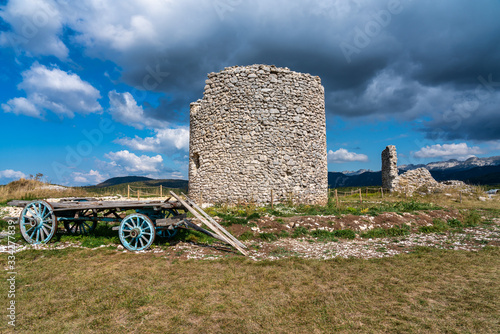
{"points": [[389, 167], [259, 130]]}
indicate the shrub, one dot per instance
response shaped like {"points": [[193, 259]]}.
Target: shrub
{"points": [[283, 234], [228, 219], [253, 216], [246, 236], [300, 232], [453, 222], [384, 233], [268, 236], [473, 218], [323, 235], [438, 225], [375, 233], [345, 234]]}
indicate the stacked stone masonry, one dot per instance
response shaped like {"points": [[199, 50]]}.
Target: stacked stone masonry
{"points": [[259, 129], [417, 180], [389, 167]]}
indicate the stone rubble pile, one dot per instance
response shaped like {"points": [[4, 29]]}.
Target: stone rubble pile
{"points": [[415, 180], [421, 180]]}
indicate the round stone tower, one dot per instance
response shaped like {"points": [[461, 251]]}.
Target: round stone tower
{"points": [[259, 130]]}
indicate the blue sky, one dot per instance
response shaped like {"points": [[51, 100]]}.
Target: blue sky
{"points": [[92, 90]]}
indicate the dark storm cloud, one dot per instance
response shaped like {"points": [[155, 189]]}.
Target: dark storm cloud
{"points": [[386, 59], [474, 116], [426, 52]]}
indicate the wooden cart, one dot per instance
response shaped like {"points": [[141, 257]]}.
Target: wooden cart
{"points": [[40, 219]]}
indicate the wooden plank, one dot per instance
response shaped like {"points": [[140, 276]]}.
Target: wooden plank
{"points": [[202, 230], [103, 205], [210, 225], [229, 235], [206, 222], [170, 221]]}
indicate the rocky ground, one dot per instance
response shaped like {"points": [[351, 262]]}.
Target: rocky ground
{"points": [[469, 239]]}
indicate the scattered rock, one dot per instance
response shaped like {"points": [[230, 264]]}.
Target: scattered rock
{"points": [[419, 179]]}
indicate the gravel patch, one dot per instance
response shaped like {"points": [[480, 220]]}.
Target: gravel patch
{"points": [[468, 239]]}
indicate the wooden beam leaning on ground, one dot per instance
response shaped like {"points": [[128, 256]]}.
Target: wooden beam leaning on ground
{"points": [[210, 225], [223, 230]]}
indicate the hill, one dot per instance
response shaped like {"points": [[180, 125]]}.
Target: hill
{"points": [[487, 175], [121, 179], [142, 181], [119, 185]]}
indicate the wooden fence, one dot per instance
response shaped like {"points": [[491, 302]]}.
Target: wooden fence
{"points": [[356, 193], [144, 191]]}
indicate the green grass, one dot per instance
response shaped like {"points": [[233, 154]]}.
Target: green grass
{"points": [[300, 232], [230, 219], [471, 219], [104, 291], [344, 234], [268, 237], [323, 235], [243, 213], [395, 231], [247, 235]]}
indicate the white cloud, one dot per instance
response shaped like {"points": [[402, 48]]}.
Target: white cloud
{"points": [[458, 151], [165, 141], [11, 174], [22, 106], [124, 109], [55, 90], [36, 25], [127, 163], [93, 177], [176, 175], [343, 155]]}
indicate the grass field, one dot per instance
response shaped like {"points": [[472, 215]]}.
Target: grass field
{"points": [[102, 291], [82, 290]]}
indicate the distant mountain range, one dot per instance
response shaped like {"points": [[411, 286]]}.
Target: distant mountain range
{"points": [[454, 164], [479, 171]]}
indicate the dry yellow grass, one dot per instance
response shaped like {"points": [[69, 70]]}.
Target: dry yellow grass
{"points": [[34, 189], [104, 291], [450, 198]]}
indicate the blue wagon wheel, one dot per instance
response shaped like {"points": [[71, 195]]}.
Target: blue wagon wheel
{"points": [[166, 233], [136, 232], [38, 222], [80, 227]]}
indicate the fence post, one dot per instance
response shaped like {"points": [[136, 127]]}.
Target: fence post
{"points": [[460, 196], [161, 191], [360, 198], [138, 194], [128, 190], [382, 191], [337, 198], [366, 192]]}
